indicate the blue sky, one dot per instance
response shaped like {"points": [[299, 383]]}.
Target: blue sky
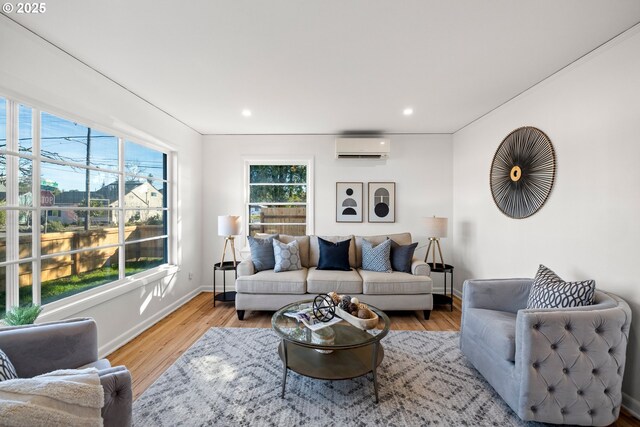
{"points": [[65, 140]]}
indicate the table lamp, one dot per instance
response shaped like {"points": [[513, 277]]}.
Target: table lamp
{"points": [[229, 227], [436, 228]]}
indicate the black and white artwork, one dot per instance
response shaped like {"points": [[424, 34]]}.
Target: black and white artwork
{"points": [[349, 201], [382, 202]]}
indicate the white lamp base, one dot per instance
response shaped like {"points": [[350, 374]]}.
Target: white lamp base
{"points": [[233, 250], [436, 243]]}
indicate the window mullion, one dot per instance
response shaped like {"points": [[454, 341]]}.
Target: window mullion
{"points": [[121, 193], [12, 197], [170, 204], [36, 235]]}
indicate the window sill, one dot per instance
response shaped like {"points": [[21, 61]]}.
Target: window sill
{"points": [[74, 304]]}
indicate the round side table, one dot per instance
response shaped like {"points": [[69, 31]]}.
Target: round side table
{"points": [[224, 296]]}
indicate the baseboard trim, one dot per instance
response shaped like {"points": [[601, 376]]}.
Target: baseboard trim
{"points": [[631, 405], [130, 334]]}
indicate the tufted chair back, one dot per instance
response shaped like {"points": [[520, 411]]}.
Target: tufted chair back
{"points": [[571, 362], [562, 366]]}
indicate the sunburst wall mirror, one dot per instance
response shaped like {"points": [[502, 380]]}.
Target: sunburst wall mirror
{"points": [[522, 172]]}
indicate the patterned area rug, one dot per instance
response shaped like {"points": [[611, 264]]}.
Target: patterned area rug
{"points": [[232, 377]]}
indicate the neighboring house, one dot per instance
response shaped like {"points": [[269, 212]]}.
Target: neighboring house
{"points": [[138, 196], [141, 196]]}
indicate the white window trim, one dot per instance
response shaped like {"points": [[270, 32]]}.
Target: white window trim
{"points": [[96, 295], [84, 300], [270, 160]]}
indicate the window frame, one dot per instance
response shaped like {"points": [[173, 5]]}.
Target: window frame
{"points": [[94, 295], [307, 161]]}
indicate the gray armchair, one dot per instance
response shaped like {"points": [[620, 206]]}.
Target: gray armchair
{"points": [[561, 366], [38, 349]]}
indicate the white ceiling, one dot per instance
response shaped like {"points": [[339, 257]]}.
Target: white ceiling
{"points": [[329, 66]]}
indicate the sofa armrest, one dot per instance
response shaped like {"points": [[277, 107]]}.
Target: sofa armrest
{"points": [[118, 396], [46, 347], [496, 294], [420, 268], [571, 363], [246, 268]]}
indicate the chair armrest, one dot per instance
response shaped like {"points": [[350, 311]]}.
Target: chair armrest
{"points": [[420, 268], [496, 294], [246, 268], [46, 347], [118, 396], [571, 363]]}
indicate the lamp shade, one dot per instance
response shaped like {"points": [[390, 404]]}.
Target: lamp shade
{"points": [[228, 225], [436, 227]]}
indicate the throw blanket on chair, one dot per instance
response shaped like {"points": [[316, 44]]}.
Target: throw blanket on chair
{"points": [[72, 397]]}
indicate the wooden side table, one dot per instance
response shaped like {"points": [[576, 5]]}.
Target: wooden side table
{"points": [[440, 298], [224, 267]]}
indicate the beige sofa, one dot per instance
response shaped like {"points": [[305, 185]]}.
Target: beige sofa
{"points": [[268, 290]]}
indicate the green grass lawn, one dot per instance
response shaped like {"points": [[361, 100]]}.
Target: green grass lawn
{"points": [[54, 290]]}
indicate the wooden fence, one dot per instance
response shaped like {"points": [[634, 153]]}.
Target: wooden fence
{"points": [[282, 215], [83, 262]]}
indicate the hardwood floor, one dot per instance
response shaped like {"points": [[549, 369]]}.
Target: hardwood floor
{"points": [[152, 352]]}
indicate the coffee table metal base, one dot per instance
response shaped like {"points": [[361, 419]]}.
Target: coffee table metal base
{"points": [[338, 365]]}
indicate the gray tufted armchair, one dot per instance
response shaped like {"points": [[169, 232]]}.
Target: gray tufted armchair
{"points": [[561, 366], [69, 344]]}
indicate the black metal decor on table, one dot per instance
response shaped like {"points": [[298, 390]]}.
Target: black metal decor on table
{"points": [[224, 267], [522, 172], [324, 308]]}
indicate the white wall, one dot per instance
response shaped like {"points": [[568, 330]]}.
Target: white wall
{"points": [[589, 227], [421, 166], [34, 71]]}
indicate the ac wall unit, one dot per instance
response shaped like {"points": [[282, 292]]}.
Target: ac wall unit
{"points": [[363, 148]]}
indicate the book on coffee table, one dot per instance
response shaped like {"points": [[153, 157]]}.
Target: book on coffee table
{"points": [[310, 321]]}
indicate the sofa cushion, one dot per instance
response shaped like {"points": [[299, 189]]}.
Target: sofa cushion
{"points": [[287, 256], [376, 257], [396, 283], [314, 249], [303, 244], [550, 291], [325, 281], [402, 256], [262, 253], [334, 256], [270, 282], [399, 238], [496, 329]]}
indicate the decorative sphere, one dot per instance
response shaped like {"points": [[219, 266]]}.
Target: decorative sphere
{"points": [[323, 308], [363, 314]]}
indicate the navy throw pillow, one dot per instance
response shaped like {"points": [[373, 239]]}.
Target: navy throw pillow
{"points": [[334, 256], [402, 256], [262, 253]]}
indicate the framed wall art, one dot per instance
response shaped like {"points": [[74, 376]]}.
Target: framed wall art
{"points": [[349, 201], [382, 202]]}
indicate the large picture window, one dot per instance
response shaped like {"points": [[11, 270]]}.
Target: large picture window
{"points": [[279, 197], [100, 212]]}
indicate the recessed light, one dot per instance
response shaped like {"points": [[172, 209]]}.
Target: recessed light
{"points": [[246, 112], [407, 111]]}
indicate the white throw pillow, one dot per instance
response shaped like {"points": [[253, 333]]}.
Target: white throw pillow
{"points": [[287, 256]]}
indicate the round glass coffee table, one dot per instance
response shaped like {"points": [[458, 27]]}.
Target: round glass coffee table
{"points": [[337, 352]]}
